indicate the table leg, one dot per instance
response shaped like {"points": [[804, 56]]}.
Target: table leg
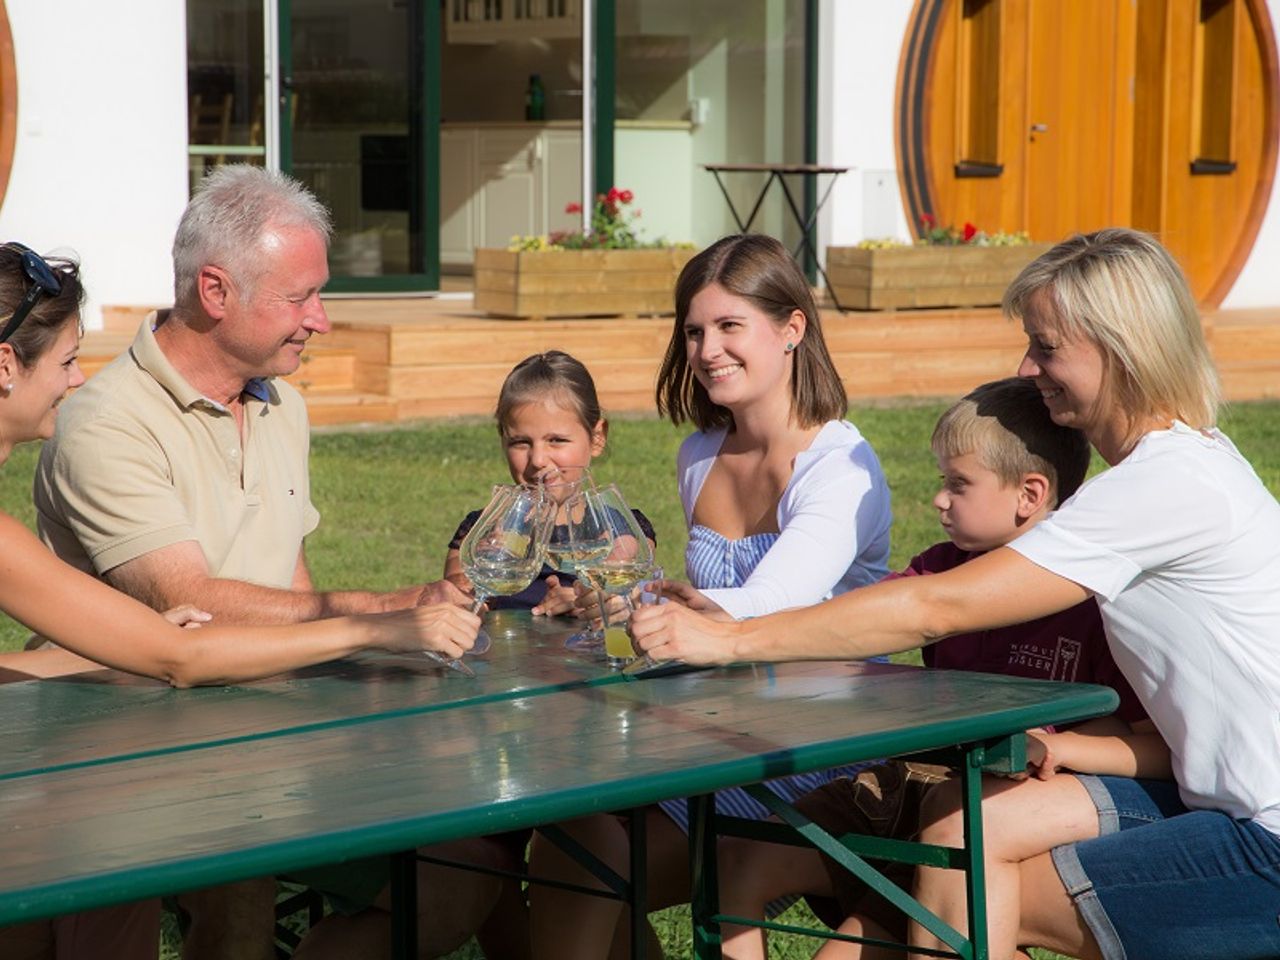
{"points": [[639, 885], [805, 227], [705, 893], [729, 200], [404, 905], [975, 874], [631, 891], [774, 175], [745, 227]]}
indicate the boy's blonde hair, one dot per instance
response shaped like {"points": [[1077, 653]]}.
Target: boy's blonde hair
{"points": [[1006, 425], [1121, 290]]}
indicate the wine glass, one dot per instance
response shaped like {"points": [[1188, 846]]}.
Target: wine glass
{"points": [[615, 571], [505, 549], [582, 533], [563, 485]]}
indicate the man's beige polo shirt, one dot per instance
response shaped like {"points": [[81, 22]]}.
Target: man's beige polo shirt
{"points": [[140, 461]]}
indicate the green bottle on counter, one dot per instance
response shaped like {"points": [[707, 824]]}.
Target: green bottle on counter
{"points": [[535, 99]]}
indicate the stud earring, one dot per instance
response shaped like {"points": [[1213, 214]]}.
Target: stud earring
{"points": [[8, 388], [789, 348]]}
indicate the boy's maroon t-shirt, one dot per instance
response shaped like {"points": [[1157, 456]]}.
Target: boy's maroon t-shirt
{"points": [[1070, 645]]}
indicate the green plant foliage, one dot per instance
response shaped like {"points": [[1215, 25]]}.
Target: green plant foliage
{"points": [[613, 227], [935, 234]]}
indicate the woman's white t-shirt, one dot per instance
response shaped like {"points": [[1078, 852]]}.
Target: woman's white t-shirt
{"points": [[1180, 542]]}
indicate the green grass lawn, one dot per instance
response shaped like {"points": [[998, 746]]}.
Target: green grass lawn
{"points": [[391, 498]]}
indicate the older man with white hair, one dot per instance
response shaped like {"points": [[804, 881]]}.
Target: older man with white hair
{"points": [[179, 475]]}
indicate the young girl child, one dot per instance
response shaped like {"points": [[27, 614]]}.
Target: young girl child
{"points": [[551, 428], [786, 506]]}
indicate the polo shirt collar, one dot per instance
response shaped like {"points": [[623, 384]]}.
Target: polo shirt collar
{"points": [[148, 355]]}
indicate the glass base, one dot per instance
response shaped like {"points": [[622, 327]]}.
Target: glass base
{"points": [[586, 640]]}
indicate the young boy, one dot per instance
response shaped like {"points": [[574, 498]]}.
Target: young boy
{"points": [[1005, 466]]}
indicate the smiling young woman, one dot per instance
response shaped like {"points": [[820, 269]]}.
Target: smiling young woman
{"points": [[786, 506]]}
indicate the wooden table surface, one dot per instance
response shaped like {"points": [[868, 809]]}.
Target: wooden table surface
{"points": [[114, 788]]}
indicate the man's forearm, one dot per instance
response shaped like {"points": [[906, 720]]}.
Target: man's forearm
{"points": [[341, 603], [238, 602]]}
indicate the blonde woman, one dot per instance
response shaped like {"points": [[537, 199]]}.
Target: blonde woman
{"points": [[1179, 541]]}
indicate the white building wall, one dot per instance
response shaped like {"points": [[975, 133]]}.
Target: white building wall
{"points": [[859, 45], [100, 162], [100, 165], [1259, 282]]}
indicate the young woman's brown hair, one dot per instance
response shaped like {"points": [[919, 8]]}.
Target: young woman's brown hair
{"points": [[761, 271]]}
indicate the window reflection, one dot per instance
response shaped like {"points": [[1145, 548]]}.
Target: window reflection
{"points": [[224, 84]]}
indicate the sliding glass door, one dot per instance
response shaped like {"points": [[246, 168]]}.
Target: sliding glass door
{"points": [[358, 126], [333, 92]]}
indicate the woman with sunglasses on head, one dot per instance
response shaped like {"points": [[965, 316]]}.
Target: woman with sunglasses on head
{"points": [[93, 624]]}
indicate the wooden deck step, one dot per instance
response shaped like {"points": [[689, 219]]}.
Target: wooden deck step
{"points": [[326, 378], [324, 369], [416, 357], [327, 409]]}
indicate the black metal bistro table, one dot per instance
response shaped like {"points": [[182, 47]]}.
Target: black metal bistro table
{"points": [[779, 172]]}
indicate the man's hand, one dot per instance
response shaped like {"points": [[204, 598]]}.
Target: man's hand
{"points": [[670, 631], [442, 591], [586, 606]]}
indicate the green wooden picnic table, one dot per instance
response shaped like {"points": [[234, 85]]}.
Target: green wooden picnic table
{"points": [[114, 789]]}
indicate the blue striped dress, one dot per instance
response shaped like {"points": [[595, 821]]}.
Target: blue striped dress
{"points": [[713, 560]]}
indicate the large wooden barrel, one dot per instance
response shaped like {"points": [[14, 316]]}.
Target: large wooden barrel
{"points": [[1054, 117]]}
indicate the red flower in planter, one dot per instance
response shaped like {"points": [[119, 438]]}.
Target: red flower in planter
{"points": [[612, 227], [970, 231]]}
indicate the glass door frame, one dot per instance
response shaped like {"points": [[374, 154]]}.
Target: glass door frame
{"points": [[424, 104]]}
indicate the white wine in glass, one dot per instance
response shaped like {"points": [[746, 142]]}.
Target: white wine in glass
{"points": [[504, 552], [617, 571]]}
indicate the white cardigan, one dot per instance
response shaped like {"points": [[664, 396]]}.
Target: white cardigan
{"points": [[833, 518]]}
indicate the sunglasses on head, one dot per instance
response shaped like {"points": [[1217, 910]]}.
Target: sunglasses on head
{"points": [[43, 282]]}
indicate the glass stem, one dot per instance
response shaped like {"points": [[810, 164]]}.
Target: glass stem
{"points": [[602, 598]]}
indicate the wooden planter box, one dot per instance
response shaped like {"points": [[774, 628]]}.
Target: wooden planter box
{"points": [[957, 276], [577, 283]]}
